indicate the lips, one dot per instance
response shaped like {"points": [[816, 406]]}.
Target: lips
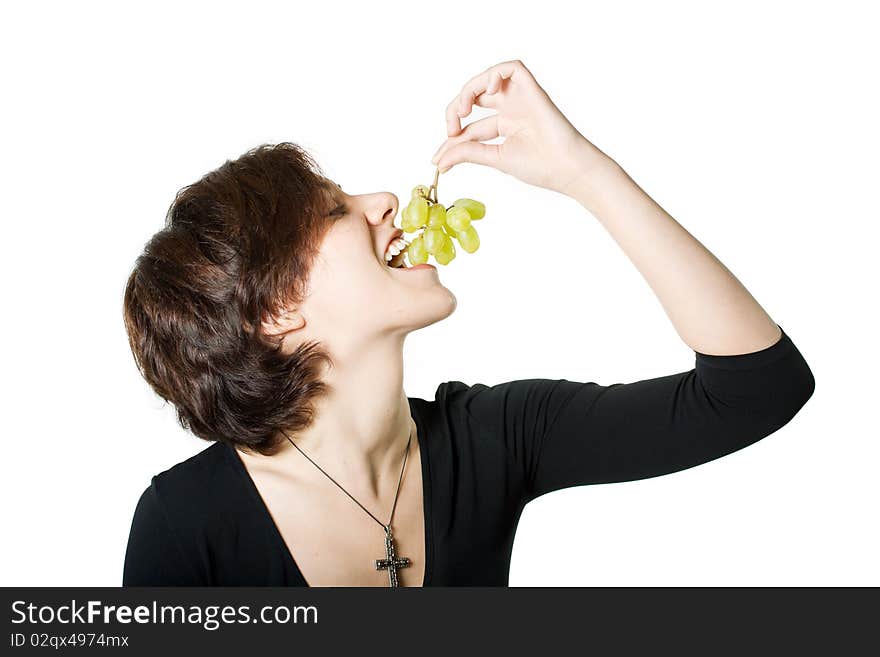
{"points": [[397, 233]]}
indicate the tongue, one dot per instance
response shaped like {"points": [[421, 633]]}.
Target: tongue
{"points": [[397, 261]]}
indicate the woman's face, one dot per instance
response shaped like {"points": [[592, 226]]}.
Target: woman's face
{"points": [[353, 295]]}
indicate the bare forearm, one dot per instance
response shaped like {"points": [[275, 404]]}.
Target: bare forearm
{"points": [[710, 309]]}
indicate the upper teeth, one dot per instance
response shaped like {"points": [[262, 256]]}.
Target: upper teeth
{"points": [[395, 247]]}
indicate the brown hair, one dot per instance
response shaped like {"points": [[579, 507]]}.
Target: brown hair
{"points": [[237, 245]]}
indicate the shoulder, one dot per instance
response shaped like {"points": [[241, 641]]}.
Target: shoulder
{"points": [[449, 398], [200, 474], [179, 516], [500, 412], [192, 492], [499, 402], [489, 436], [452, 391]]}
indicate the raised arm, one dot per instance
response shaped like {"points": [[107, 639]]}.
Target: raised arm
{"points": [[749, 379], [561, 433], [711, 310]]}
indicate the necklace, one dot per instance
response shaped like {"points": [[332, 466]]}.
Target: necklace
{"points": [[391, 562]]}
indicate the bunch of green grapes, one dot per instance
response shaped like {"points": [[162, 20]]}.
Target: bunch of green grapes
{"points": [[440, 226]]}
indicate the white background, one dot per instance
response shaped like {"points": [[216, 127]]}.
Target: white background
{"points": [[754, 125]]}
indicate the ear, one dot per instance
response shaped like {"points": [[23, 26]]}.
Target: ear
{"points": [[280, 325]]}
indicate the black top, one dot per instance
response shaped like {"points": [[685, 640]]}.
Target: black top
{"points": [[486, 452]]}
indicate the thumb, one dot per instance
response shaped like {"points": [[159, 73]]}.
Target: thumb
{"points": [[469, 151]]}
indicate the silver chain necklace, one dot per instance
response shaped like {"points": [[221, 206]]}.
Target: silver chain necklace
{"points": [[391, 562]]}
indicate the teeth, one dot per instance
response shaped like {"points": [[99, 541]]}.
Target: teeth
{"points": [[395, 247]]}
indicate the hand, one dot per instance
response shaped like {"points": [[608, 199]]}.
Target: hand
{"points": [[540, 147]]}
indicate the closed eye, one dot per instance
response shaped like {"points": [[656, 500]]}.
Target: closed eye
{"points": [[341, 209]]}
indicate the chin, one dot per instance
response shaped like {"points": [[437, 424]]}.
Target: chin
{"points": [[449, 302], [453, 302], [437, 304]]}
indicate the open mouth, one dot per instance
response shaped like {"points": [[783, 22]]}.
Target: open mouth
{"points": [[398, 261]]}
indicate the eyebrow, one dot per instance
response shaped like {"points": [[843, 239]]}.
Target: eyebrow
{"points": [[326, 184]]}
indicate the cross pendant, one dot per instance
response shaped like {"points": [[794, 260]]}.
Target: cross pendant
{"points": [[391, 562]]}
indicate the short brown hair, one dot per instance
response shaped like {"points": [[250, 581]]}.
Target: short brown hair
{"points": [[237, 244]]}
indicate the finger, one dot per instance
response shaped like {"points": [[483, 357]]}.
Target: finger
{"points": [[480, 83], [453, 120], [494, 82], [469, 151], [482, 130], [454, 114], [475, 87]]}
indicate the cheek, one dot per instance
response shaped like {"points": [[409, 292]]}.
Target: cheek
{"points": [[349, 284]]}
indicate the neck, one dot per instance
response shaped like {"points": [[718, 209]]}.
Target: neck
{"points": [[361, 425]]}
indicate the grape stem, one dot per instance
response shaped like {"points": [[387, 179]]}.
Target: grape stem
{"points": [[433, 187]]}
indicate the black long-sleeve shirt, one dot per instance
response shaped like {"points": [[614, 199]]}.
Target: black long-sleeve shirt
{"points": [[486, 452]]}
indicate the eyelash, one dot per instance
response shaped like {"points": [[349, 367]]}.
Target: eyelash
{"points": [[340, 210]]}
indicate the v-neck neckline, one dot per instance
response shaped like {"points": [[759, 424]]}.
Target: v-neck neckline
{"points": [[263, 511]]}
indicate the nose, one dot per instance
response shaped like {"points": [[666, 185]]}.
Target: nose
{"points": [[383, 208]]}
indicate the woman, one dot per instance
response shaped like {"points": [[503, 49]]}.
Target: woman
{"points": [[266, 312]]}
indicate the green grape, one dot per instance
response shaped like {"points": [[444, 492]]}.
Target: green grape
{"points": [[475, 209], [458, 218], [418, 209], [446, 253], [406, 222], [441, 225], [436, 216], [434, 239], [469, 239], [416, 251]]}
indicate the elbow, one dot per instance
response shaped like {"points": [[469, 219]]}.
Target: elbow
{"points": [[803, 384], [793, 393], [808, 386], [758, 392]]}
